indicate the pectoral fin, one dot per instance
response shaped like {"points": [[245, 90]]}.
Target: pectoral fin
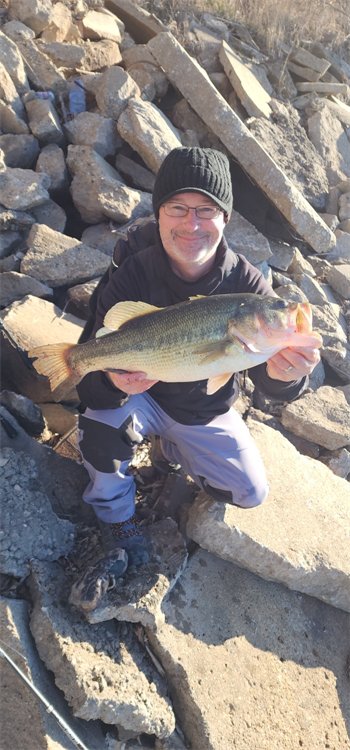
{"points": [[219, 381], [212, 352], [123, 311]]}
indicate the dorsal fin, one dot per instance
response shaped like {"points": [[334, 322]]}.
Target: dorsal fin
{"points": [[103, 332], [123, 311], [197, 296]]}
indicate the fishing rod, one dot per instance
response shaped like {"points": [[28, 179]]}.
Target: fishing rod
{"points": [[49, 708]]}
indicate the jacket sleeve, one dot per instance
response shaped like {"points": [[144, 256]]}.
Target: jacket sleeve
{"points": [[251, 280]]}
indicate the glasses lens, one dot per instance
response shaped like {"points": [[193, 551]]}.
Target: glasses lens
{"points": [[180, 210]]}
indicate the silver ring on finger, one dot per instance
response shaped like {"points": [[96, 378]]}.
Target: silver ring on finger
{"points": [[289, 368]]}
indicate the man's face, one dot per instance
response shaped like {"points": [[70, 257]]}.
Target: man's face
{"points": [[190, 242]]}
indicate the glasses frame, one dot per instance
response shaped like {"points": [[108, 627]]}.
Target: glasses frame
{"points": [[217, 209]]}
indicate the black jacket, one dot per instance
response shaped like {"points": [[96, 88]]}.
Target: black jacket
{"points": [[147, 276]]}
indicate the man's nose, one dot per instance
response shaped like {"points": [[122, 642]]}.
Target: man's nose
{"points": [[191, 220]]}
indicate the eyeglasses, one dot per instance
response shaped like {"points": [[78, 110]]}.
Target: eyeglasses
{"points": [[179, 210]]}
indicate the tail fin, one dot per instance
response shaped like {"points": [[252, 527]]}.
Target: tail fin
{"points": [[52, 361]]}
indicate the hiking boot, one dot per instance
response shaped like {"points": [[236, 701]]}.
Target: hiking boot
{"points": [[125, 535], [158, 459]]}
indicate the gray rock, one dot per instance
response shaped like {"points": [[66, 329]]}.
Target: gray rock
{"points": [[14, 286], [97, 25], [51, 214], [140, 597], [19, 150], [30, 528], [26, 413], [23, 189], [246, 659], [101, 55], [344, 205], [80, 295], [278, 75], [140, 177], [40, 70], [341, 251], [186, 75], [291, 293], [282, 255], [44, 122], [328, 136], [9, 93], [300, 264], [335, 349], [138, 57], [244, 238], [322, 417], [90, 129], [288, 145], [11, 122], [60, 23], [51, 161], [338, 462], [34, 13], [11, 58], [10, 241], [148, 132], [253, 96], [63, 55], [274, 539], [56, 259], [18, 31], [101, 668], [311, 288], [115, 89], [339, 279], [304, 57], [102, 236], [11, 221], [33, 726]]}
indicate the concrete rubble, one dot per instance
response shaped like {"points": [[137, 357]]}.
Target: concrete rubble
{"points": [[239, 622]]}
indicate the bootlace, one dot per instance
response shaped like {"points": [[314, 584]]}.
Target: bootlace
{"points": [[126, 529]]}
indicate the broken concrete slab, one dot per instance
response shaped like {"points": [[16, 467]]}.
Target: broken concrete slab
{"points": [[140, 177], [25, 721], [80, 295], [26, 413], [244, 238], [303, 495], [99, 55], [10, 121], [51, 161], [18, 31], [51, 214], [187, 76], [311, 288], [19, 150], [103, 236], [287, 143], [322, 417], [115, 89], [34, 13], [102, 669], [60, 23], [281, 78], [339, 279], [14, 286], [306, 74], [338, 462], [148, 132], [138, 57], [245, 659], [69, 56], [11, 58], [9, 94], [91, 129], [54, 258], [97, 25], [138, 22], [344, 206], [30, 529], [23, 189], [139, 597], [322, 88], [328, 136], [40, 70], [253, 96], [44, 122], [305, 58]]}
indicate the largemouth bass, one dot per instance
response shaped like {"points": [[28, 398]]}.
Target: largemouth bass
{"points": [[202, 338]]}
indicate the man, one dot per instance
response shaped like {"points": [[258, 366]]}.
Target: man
{"points": [[185, 254]]}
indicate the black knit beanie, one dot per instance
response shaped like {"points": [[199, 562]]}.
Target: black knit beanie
{"points": [[194, 170]]}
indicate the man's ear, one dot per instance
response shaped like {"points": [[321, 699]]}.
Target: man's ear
{"points": [[227, 218]]}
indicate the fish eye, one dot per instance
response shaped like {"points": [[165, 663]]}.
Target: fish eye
{"points": [[279, 304]]}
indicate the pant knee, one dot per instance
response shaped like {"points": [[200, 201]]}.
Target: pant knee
{"points": [[106, 447], [251, 498]]}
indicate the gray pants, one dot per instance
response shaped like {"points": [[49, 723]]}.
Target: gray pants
{"points": [[221, 456]]}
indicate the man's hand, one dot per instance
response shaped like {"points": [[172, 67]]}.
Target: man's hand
{"points": [[293, 363], [130, 382]]}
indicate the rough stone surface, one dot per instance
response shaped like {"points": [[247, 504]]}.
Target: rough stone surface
{"points": [[291, 293], [115, 89], [23, 189], [103, 192], [278, 74], [322, 417], [274, 539], [25, 721], [344, 206], [30, 529], [250, 91], [51, 161], [18, 31], [148, 132], [9, 93], [338, 462], [40, 70], [64, 55], [328, 136], [140, 177], [311, 288], [304, 57], [12, 60], [51, 214], [242, 236], [287, 143], [34, 13], [335, 348], [14, 286], [138, 57], [33, 322], [339, 279], [10, 121], [55, 258], [60, 23], [26, 413], [44, 122], [80, 295], [282, 255], [9, 242], [98, 25], [59, 419], [99, 55], [323, 88], [187, 76], [102, 236], [341, 251], [90, 129], [251, 664], [140, 597], [101, 668], [19, 150]]}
